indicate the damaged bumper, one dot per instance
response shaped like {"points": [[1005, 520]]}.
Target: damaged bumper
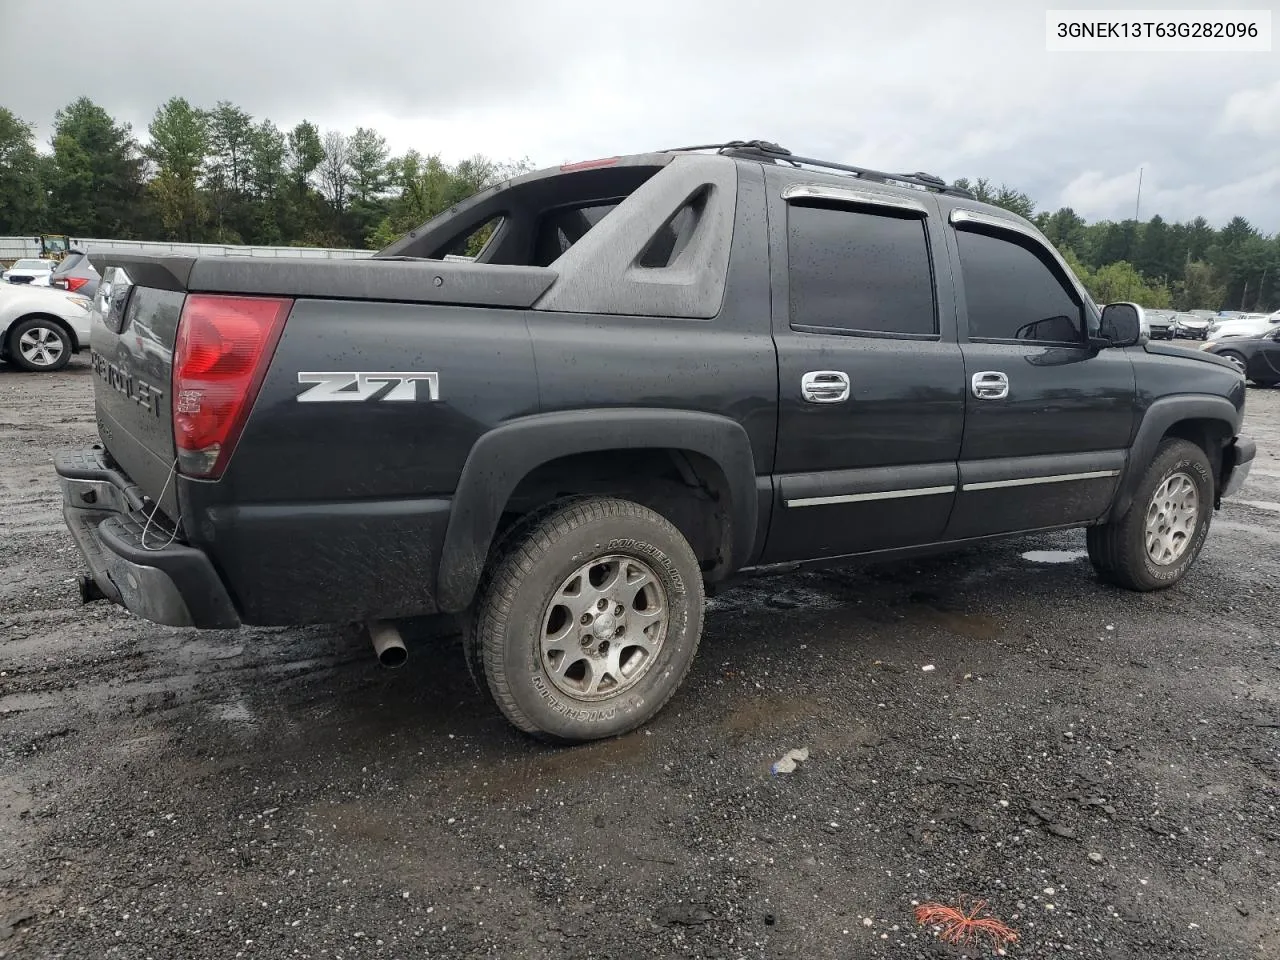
{"points": [[156, 575]]}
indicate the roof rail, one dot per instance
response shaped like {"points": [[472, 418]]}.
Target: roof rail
{"points": [[774, 153]]}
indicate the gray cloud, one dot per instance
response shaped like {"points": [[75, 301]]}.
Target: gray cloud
{"points": [[907, 86]]}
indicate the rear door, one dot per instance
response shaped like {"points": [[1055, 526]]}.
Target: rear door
{"points": [[871, 382], [1048, 418]]}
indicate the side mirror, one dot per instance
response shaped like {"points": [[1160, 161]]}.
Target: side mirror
{"points": [[1122, 324]]}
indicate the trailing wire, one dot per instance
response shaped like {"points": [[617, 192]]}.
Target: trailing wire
{"points": [[173, 469]]}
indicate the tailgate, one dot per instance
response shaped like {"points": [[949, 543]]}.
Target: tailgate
{"points": [[134, 330]]}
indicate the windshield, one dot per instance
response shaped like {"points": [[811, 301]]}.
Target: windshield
{"points": [[31, 265]]}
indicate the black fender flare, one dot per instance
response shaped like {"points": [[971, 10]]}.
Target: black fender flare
{"points": [[1159, 417], [504, 456]]}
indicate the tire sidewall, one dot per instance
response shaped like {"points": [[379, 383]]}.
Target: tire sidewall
{"points": [[1197, 468], [15, 353], [1233, 356], [558, 714]]}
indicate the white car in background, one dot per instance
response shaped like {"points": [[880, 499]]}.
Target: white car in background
{"points": [[32, 271], [40, 327], [1249, 325]]}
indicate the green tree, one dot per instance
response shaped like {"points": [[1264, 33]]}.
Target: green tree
{"points": [[1250, 263], [267, 150], [305, 152], [230, 146], [428, 187], [304, 210], [1197, 289], [369, 160], [1014, 201], [1155, 250], [1064, 228], [23, 206], [1004, 196], [230, 142], [266, 183], [1200, 236], [96, 174], [179, 142], [1120, 281], [1082, 272], [368, 156]]}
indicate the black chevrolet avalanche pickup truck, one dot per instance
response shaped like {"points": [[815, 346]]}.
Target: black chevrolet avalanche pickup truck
{"points": [[659, 372]]}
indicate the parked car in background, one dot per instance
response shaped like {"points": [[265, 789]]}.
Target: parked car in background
{"points": [[30, 271], [75, 274], [1190, 326], [41, 327], [1241, 326], [1160, 324], [1256, 356]]}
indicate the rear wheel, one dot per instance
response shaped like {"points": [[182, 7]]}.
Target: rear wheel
{"points": [[588, 619], [1162, 532], [39, 344]]}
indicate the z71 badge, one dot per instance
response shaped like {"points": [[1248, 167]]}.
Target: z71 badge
{"points": [[338, 387]]}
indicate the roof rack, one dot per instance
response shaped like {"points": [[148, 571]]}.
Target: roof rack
{"points": [[774, 153]]}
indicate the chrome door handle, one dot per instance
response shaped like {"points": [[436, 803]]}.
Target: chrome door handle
{"points": [[990, 385], [825, 386]]}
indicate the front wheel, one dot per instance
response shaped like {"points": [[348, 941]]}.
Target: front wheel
{"points": [[39, 345], [588, 619], [1162, 532], [1235, 359]]}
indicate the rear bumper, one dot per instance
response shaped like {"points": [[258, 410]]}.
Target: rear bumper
{"points": [[157, 577], [1236, 464]]}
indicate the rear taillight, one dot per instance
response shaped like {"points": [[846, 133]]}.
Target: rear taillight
{"points": [[61, 282], [72, 283], [223, 349]]}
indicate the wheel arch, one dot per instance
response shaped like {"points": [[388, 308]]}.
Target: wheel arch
{"points": [[1205, 420], [707, 450]]}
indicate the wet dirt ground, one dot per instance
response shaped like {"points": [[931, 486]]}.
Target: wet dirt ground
{"points": [[1101, 767]]}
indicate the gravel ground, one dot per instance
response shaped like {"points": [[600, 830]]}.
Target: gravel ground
{"points": [[1101, 767]]}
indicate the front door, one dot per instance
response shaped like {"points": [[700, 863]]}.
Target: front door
{"points": [[1048, 418], [871, 382], [1264, 366]]}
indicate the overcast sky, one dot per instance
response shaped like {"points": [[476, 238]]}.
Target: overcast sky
{"points": [[954, 88]]}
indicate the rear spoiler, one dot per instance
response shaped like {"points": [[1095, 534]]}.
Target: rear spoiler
{"points": [[394, 280]]}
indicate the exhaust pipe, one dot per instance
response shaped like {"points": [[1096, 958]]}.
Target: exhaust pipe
{"points": [[90, 592], [387, 643]]}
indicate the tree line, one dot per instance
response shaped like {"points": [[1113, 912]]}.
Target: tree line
{"points": [[217, 174]]}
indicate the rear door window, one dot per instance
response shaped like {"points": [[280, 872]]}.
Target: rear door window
{"points": [[857, 272]]}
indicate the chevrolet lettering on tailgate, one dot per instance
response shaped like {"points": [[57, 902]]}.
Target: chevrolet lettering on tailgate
{"points": [[117, 378]]}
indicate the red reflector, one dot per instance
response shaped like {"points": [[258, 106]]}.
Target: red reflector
{"points": [[223, 349], [589, 164]]}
